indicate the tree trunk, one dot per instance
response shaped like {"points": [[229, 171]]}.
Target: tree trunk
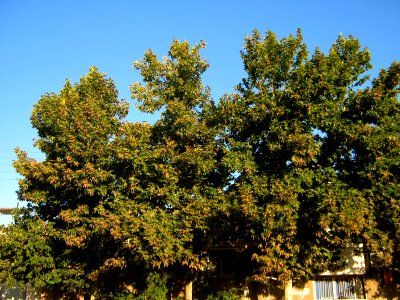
{"points": [[188, 290], [288, 290], [86, 297]]}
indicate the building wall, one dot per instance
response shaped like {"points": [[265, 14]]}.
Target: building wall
{"points": [[304, 292], [376, 291], [267, 291]]}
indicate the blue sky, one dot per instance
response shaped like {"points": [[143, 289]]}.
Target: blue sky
{"points": [[44, 42]]}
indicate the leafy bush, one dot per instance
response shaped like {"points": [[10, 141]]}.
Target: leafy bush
{"points": [[232, 294], [156, 288]]}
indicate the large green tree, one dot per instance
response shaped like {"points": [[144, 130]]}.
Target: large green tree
{"points": [[300, 161], [76, 179], [315, 154], [124, 198], [188, 179]]}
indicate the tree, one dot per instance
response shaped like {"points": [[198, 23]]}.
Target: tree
{"points": [[75, 181], [125, 198], [300, 161], [187, 184], [25, 257], [303, 132], [370, 162]]}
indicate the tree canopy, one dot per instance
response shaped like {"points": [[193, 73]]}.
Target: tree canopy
{"points": [[306, 129], [302, 159]]}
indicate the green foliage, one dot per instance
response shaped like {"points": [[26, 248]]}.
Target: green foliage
{"points": [[231, 294], [305, 138], [25, 257], [301, 160], [67, 190], [123, 195], [185, 186], [155, 289]]}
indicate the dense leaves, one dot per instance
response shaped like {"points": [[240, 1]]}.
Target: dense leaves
{"points": [[187, 183], [25, 256], [300, 161], [71, 185], [312, 141]]}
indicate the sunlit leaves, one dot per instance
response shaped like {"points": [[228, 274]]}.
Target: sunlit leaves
{"points": [[302, 159], [316, 141]]}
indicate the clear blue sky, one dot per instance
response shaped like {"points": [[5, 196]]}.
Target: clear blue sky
{"points": [[43, 42]]}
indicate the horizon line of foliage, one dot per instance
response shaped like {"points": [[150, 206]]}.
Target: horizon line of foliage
{"points": [[301, 160]]}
